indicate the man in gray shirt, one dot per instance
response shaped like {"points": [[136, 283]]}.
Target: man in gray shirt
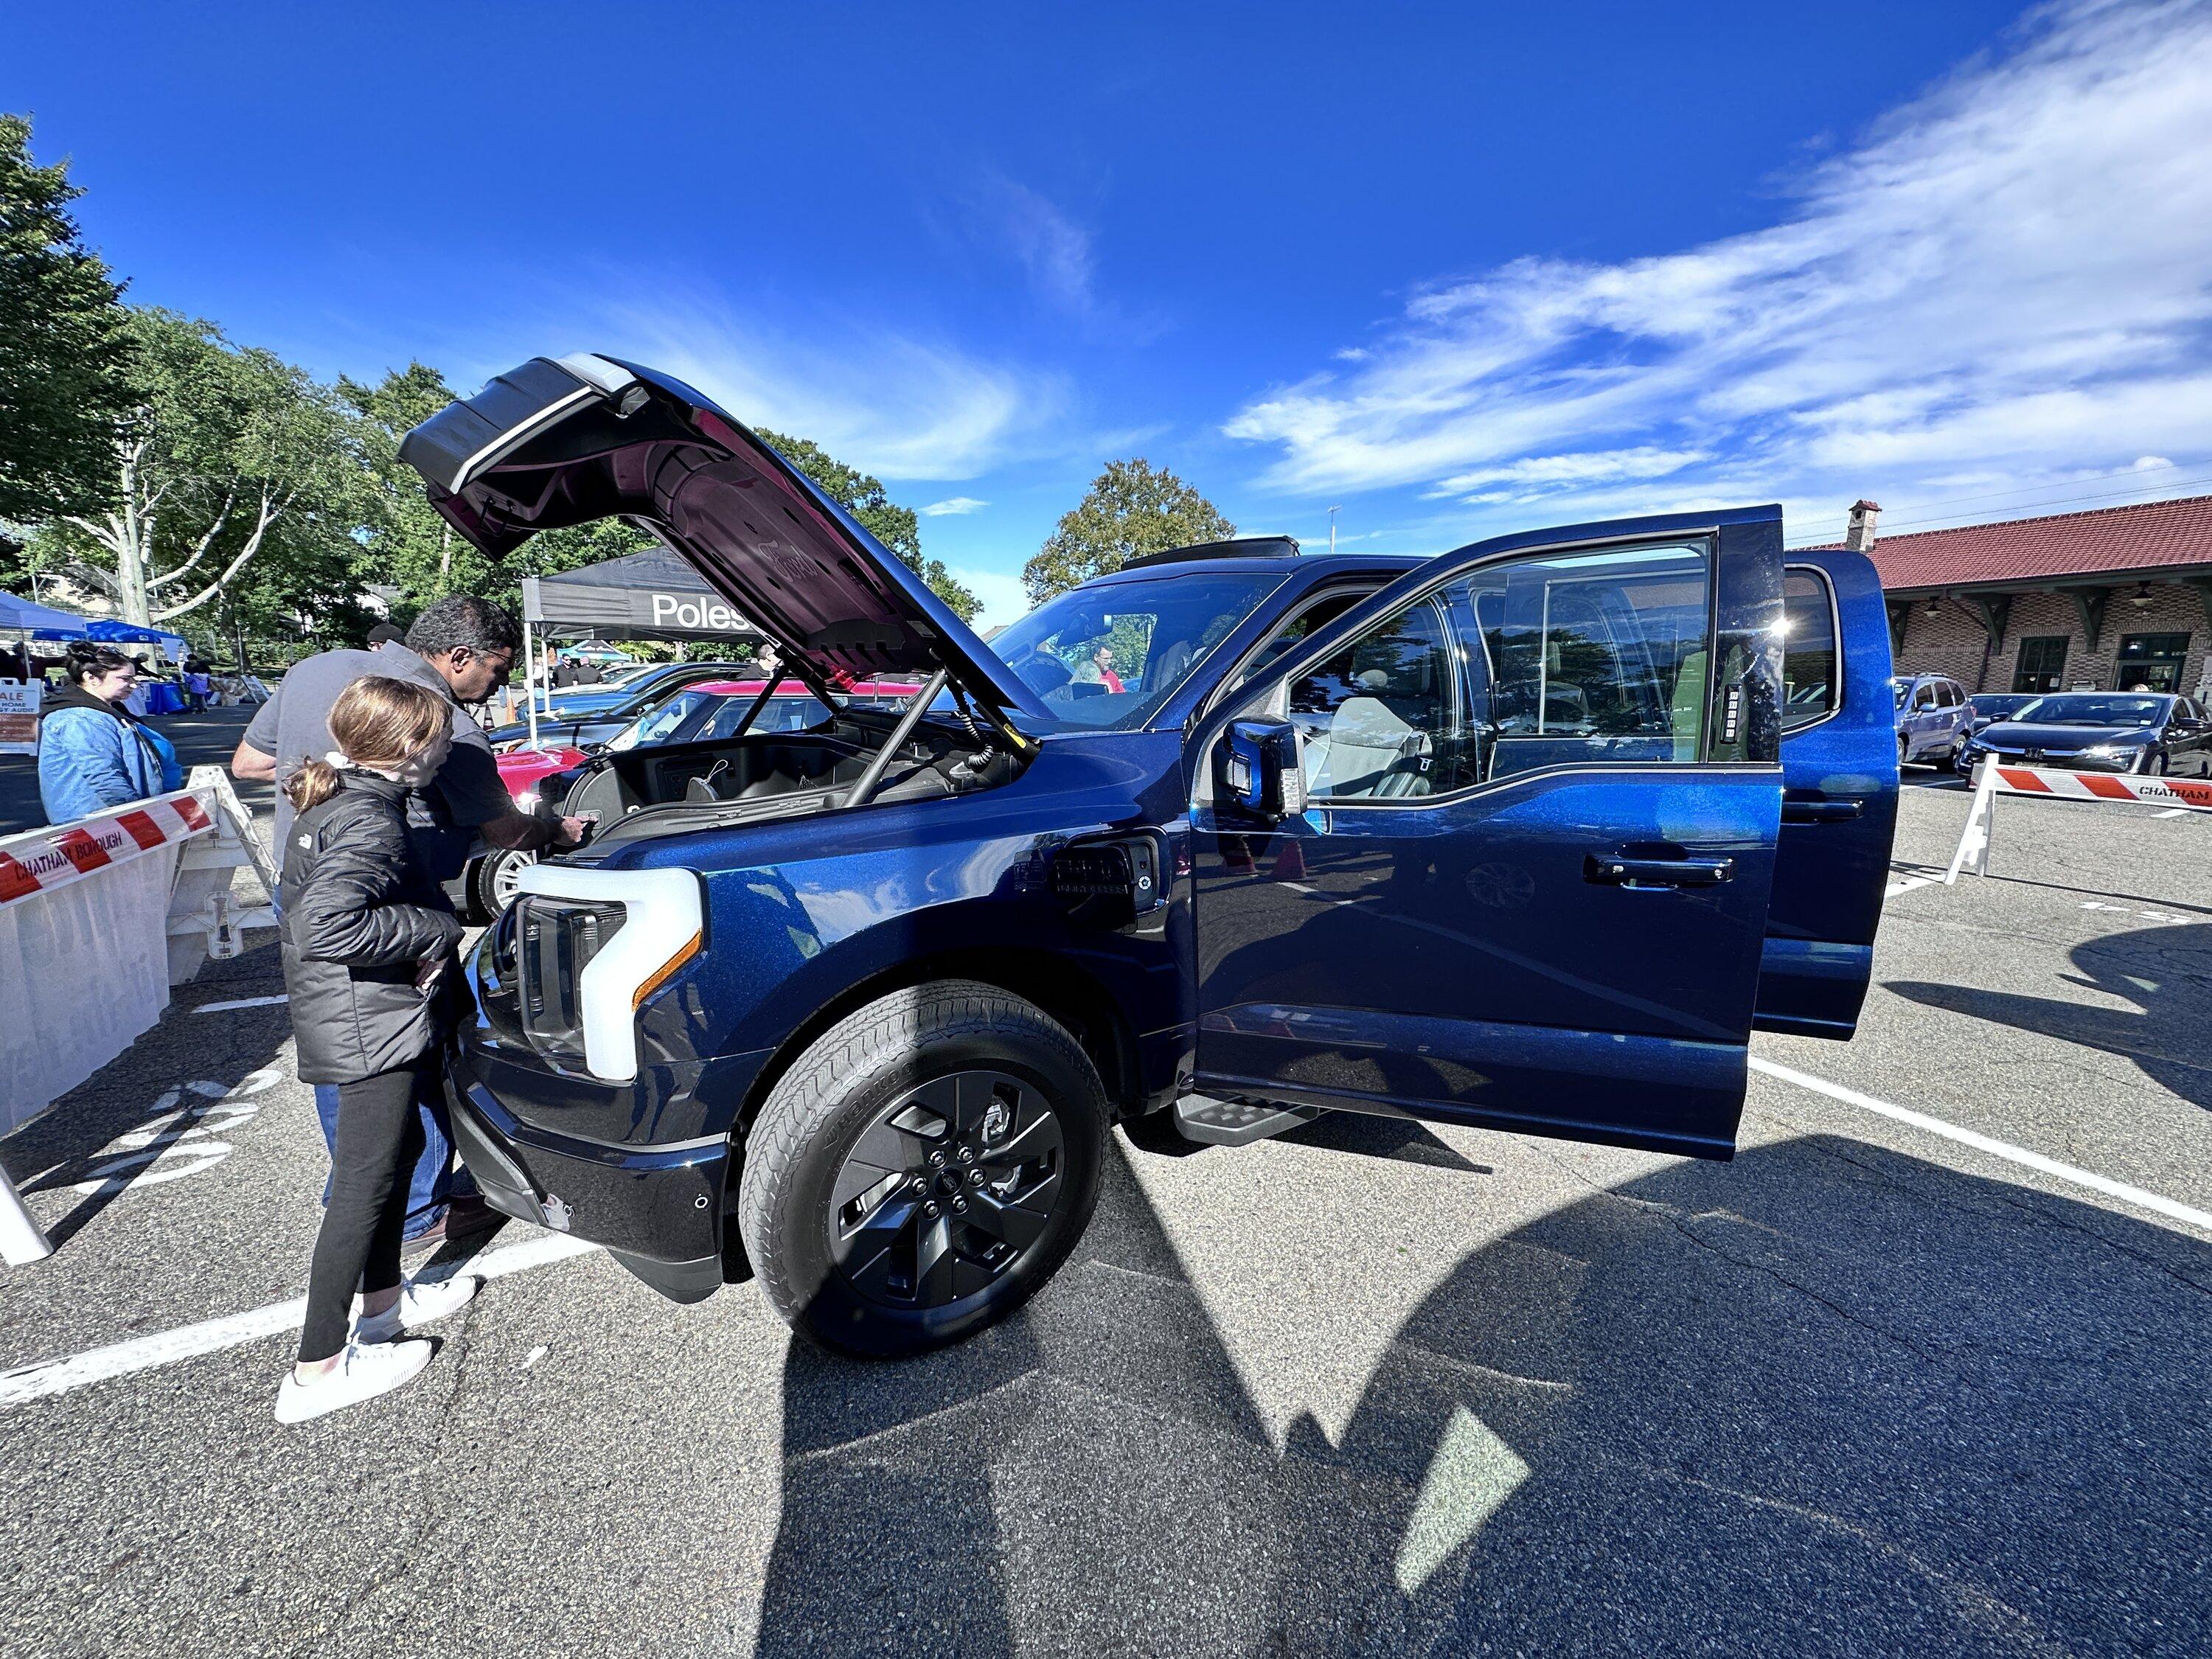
{"points": [[461, 647]]}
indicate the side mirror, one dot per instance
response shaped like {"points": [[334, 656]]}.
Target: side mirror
{"points": [[1260, 769]]}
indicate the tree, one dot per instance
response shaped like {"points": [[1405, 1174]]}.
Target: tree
{"points": [[228, 452], [64, 352], [865, 499], [408, 543], [1132, 508]]}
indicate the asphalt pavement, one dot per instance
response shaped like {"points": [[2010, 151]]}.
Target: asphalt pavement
{"points": [[1372, 1388]]}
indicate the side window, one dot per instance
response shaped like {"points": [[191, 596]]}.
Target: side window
{"points": [[1595, 657], [1924, 697], [1947, 694], [1570, 658], [1380, 720], [1812, 673], [1315, 617]]}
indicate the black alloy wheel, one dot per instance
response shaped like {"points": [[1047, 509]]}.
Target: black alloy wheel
{"points": [[946, 1190], [923, 1168]]}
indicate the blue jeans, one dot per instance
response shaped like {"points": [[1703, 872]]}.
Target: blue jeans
{"points": [[433, 1181]]}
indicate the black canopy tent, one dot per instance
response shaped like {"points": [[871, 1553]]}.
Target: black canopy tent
{"points": [[653, 595]]}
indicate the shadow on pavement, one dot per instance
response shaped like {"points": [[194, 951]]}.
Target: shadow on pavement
{"points": [[2167, 972], [1826, 1399]]}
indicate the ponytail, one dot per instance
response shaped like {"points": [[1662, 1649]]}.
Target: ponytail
{"points": [[312, 783]]}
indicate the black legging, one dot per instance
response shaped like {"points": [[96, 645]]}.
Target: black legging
{"points": [[379, 1136]]}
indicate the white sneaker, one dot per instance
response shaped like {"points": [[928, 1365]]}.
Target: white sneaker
{"points": [[422, 1303], [362, 1373]]}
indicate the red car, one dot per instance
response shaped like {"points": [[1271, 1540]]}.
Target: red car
{"points": [[711, 708]]}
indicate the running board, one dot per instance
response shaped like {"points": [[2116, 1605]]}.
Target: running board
{"points": [[1236, 1123]]}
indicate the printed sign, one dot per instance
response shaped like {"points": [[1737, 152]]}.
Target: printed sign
{"points": [[19, 715]]}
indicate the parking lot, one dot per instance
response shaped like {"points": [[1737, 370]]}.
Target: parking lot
{"points": [[1873, 1387]]}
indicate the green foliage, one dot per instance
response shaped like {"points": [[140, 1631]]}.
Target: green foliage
{"points": [[865, 499], [406, 543], [229, 455], [1132, 508], [64, 355]]}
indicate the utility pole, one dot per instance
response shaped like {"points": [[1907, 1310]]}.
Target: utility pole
{"points": [[1333, 512]]}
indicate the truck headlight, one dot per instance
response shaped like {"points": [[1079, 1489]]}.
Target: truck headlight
{"points": [[2111, 751], [591, 946]]}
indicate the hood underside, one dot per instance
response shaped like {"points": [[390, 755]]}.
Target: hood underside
{"points": [[553, 444]]}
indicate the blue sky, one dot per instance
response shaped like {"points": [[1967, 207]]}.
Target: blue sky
{"points": [[1456, 270]]}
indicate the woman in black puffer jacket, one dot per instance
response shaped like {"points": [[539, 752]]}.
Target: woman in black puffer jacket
{"points": [[368, 943]]}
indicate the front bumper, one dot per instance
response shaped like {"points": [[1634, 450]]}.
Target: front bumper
{"points": [[657, 1209], [1970, 758]]}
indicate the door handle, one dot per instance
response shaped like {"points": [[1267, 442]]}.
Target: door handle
{"points": [[1820, 812], [1616, 870]]}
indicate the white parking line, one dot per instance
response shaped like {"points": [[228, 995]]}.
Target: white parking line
{"points": [[2173, 812], [50, 1377], [243, 1002], [2002, 1149]]}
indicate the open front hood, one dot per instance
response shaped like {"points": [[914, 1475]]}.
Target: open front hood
{"points": [[551, 444]]}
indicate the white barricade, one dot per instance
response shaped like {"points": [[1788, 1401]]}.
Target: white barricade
{"points": [[1992, 779], [98, 919]]}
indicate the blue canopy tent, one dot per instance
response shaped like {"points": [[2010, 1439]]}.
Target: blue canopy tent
{"points": [[123, 633], [40, 622]]}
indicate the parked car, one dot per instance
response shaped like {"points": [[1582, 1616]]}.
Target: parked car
{"points": [[716, 709], [2152, 731], [594, 714], [1987, 708], [1931, 719], [1508, 837]]}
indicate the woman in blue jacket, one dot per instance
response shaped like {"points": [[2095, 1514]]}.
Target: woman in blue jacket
{"points": [[94, 754]]}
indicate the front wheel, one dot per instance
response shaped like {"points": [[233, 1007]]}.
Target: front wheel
{"points": [[498, 879], [923, 1168], [2152, 765]]}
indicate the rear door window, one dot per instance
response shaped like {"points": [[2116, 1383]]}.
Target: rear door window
{"points": [[1812, 667]]}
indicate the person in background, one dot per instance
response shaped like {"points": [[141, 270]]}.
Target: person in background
{"points": [[386, 634], [199, 685], [461, 648], [367, 941], [1104, 658], [93, 753]]}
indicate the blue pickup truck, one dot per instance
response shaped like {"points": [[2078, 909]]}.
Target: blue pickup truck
{"points": [[1530, 836]]}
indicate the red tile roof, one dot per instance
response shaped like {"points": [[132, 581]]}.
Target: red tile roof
{"points": [[2145, 536]]}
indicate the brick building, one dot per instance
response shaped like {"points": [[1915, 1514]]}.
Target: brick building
{"points": [[2104, 600]]}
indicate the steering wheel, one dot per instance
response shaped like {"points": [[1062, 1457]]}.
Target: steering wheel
{"points": [[1043, 673]]}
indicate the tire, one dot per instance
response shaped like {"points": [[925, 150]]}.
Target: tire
{"points": [[491, 887], [1904, 750], [2152, 765], [832, 1160]]}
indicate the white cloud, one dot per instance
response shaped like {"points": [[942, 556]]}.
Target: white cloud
{"points": [[2009, 279], [1052, 248], [892, 404], [952, 507]]}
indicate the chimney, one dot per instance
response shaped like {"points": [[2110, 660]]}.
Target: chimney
{"points": [[1860, 536]]}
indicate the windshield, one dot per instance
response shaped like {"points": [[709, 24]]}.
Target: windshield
{"points": [[2077, 710], [663, 723], [1108, 655], [1900, 690], [2005, 706]]}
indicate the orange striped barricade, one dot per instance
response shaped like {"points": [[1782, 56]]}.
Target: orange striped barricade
{"points": [[91, 941], [2193, 794]]}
